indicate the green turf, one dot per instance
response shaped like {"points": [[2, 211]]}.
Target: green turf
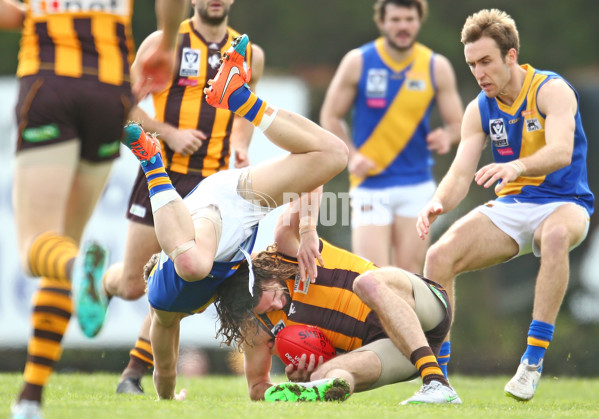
{"points": [[93, 396]]}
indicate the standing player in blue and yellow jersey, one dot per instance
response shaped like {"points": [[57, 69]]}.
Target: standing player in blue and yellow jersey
{"points": [[392, 84], [75, 94], [544, 203], [196, 141]]}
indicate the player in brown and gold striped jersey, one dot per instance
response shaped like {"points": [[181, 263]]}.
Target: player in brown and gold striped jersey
{"points": [[75, 94], [388, 323]]}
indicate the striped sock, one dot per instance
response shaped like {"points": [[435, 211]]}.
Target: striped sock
{"points": [[426, 363], [52, 309], [158, 179], [444, 357], [539, 336], [52, 255], [246, 104], [142, 353]]}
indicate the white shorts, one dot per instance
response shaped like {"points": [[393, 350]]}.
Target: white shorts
{"points": [[520, 220], [379, 206], [239, 216]]}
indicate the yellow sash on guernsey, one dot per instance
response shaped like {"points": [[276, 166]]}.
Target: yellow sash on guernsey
{"points": [[397, 127]]}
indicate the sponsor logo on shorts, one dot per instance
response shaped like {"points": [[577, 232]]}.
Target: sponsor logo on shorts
{"points": [[137, 210], [109, 149], [41, 134], [438, 294]]}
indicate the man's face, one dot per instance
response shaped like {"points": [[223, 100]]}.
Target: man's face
{"points": [[490, 69], [275, 296], [212, 12], [400, 26]]}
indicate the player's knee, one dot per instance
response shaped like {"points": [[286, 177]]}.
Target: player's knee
{"points": [[133, 290], [337, 152], [556, 239], [366, 286], [438, 262]]}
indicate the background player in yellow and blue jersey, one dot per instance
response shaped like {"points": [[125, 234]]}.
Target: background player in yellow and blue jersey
{"points": [[544, 203], [75, 94], [391, 86]]}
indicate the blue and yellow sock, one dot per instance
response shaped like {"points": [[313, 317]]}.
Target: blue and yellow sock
{"points": [[540, 335], [444, 357], [158, 179], [249, 106]]}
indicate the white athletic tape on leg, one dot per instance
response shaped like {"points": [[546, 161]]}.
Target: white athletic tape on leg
{"points": [[269, 115], [162, 198]]}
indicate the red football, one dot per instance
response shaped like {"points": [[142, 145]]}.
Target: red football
{"points": [[293, 341]]}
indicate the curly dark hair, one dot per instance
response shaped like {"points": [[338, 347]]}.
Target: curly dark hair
{"points": [[149, 266], [234, 303]]}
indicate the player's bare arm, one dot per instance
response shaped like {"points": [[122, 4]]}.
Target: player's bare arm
{"points": [[12, 14], [456, 183], [258, 361], [340, 97], [450, 107]]}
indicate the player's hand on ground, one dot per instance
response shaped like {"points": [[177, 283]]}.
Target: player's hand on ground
{"points": [[490, 174], [359, 165], [427, 215], [181, 395], [307, 256], [438, 141], [186, 141]]}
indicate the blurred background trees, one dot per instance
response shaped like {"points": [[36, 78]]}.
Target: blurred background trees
{"points": [[308, 38]]}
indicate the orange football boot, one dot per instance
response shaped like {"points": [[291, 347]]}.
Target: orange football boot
{"points": [[145, 147], [231, 75]]}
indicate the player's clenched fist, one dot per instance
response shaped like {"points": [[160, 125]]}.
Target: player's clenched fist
{"points": [[429, 213]]}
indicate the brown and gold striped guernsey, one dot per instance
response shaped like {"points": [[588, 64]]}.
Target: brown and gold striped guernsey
{"points": [[183, 104], [78, 38], [331, 304]]}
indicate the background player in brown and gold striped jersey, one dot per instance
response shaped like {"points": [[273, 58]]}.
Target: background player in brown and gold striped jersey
{"points": [[388, 323], [196, 142], [75, 94]]}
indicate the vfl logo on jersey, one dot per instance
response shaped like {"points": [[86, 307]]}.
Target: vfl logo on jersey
{"points": [[214, 60], [533, 124], [190, 63], [113, 7], [291, 310], [376, 88], [300, 286], [415, 85], [278, 327], [498, 133]]}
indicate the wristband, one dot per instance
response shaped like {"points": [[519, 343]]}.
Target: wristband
{"points": [[306, 225], [519, 166]]}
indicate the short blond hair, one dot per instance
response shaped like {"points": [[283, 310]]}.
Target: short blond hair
{"points": [[494, 24], [381, 5]]}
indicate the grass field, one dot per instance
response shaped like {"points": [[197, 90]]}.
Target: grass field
{"points": [[92, 396]]}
